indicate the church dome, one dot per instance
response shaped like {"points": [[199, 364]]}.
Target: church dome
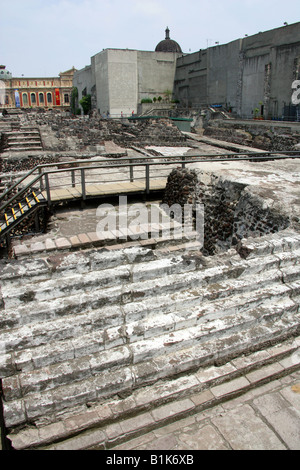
{"points": [[168, 45], [4, 74]]}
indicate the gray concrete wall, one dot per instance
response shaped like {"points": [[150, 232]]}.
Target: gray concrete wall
{"points": [[245, 74], [222, 73], [156, 73], [190, 85], [83, 80], [100, 77], [122, 81]]}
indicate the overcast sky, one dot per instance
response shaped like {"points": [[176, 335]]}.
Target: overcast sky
{"points": [[45, 37]]}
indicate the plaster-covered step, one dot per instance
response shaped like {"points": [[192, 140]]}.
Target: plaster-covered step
{"points": [[71, 371], [290, 273], [284, 241], [65, 286], [205, 284], [109, 383], [69, 326], [136, 351], [23, 149], [24, 143], [89, 427], [94, 298], [147, 319], [186, 337], [16, 272], [143, 319]]}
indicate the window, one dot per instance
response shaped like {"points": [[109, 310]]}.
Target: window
{"points": [[25, 99], [67, 98], [49, 97], [41, 98], [33, 98]]}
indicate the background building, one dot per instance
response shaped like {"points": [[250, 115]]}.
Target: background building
{"points": [[119, 79], [251, 76], [45, 92]]}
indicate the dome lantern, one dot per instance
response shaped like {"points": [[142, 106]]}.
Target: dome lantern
{"points": [[168, 45]]}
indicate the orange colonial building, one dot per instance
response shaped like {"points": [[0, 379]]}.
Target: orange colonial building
{"points": [[35, 92]]}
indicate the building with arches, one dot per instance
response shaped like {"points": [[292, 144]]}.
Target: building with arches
{"points": [[45, 92]]}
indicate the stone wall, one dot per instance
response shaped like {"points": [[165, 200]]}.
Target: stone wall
{"points": [[231, 211], [265, 136]]}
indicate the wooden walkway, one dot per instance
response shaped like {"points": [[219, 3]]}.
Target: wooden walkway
{"points": [[105, 189]]}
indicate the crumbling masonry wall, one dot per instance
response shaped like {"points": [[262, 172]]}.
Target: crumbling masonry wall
{"points": [[231, 211]]}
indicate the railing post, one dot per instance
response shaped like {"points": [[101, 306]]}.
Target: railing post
{"points": [[41, 179], [48, 189], [83, 184], [73, 178], [183, 162], [131, 173], [147, 178]]}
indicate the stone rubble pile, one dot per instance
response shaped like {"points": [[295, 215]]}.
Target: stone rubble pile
{"points": [[61, 133]]}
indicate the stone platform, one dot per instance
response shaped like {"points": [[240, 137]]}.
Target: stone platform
{"points": [[100, 345]]}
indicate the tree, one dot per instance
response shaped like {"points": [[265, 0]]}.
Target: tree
{"points": [[86, 103]]}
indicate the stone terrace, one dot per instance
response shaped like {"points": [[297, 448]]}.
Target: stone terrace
{"points": [[100, 343]]}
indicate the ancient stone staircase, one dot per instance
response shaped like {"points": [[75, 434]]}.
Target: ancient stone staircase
{"points": [[100, 345], [26, 138]]}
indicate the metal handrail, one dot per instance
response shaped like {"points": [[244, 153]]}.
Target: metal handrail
{"points": [[135, 162], [21, 192]]}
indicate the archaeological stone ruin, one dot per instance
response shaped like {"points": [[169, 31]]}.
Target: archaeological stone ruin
{"points": [[108, 334]]}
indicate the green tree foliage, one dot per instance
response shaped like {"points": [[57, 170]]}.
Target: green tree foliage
{"points": [[86, 103]]}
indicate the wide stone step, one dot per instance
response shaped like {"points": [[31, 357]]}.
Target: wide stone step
{"points": [[143, 320], [290, 273], [23, 132], [119, 421], [148, 319], [66, 286], [56, 266], [24, 137], [24, 143], [28, 307], [136, 351], [115, 381], [24, 148], [281, 242]]}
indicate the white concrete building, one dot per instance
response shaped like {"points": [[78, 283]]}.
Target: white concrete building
{"points": [[118, 79]]}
